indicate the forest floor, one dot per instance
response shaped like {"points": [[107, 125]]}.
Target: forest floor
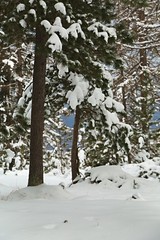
{"points": [[110, 205]]}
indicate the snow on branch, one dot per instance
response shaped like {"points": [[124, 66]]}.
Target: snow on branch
{"points": [[21, 7], [31, 1], [33, 12], [54, 42], [60, 8], [138, 46], [57, 30], [23, 23], [43, 5], [76, 97], [155, 25], [102, 31], [76, 29], [97, 97], [57, 27], [46, 25], [62, 69]]}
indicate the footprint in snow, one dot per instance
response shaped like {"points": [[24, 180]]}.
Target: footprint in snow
{"points": [[49, 226], [52, 226]]}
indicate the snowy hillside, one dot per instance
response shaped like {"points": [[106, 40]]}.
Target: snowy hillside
{"points": [[111, 205]]}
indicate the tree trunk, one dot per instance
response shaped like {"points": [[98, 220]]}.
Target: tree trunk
{"points": [[143, 80], [19, 71], [74, 151], [37, 114]]}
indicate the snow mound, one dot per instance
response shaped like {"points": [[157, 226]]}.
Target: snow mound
{"points": [[4, 191], [149, 169], [39, 192], [114, 174]]}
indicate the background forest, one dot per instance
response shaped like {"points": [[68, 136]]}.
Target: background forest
{"points": [[101, 64]]}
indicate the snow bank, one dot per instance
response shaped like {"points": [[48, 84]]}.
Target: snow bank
{"points": [[4, 191], [104, 182], [149, 169], [40, 192], [114, 174]]}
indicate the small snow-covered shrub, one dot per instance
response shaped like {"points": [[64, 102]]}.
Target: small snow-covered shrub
{"points": [[110, 174], [150, 169], [142, 156]]}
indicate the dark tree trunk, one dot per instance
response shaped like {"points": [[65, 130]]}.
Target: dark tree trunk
{"points": [[124, 100], [11, 164], [144, 82], [74, 152], [37, 115], [19, 71]]}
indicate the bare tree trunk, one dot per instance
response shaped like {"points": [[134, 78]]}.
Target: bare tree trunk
{"points": [[37, 115], [19, 71], [144, 82], [74, 151]]}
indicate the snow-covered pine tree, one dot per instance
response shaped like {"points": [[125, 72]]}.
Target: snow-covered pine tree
{"points": [[36, 17], [19, 58], [82, 63], [139, 73], [86, 63], [13, 54]]}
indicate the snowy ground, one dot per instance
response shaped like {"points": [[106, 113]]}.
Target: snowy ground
{"points": [[116, 206]]}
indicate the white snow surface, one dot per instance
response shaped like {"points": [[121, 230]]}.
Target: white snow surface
{"points": [[112, 209]]}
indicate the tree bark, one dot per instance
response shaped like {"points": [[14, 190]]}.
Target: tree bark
{"points": [[143, 79], [74, 151], [37, 114], [19, 71]]}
